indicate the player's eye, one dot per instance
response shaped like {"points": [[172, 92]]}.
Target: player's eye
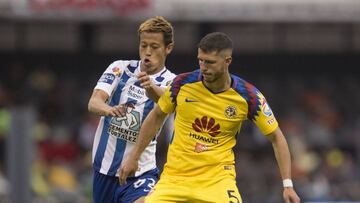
{"points": [[154, 46], [206, 61]]}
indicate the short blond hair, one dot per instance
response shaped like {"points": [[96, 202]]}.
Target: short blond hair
{"points": [[158, 24]]}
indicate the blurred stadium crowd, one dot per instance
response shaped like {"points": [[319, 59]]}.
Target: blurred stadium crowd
{"points": [[318, 111]]}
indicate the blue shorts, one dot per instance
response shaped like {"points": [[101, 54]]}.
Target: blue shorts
{"points": [[108, 189]]}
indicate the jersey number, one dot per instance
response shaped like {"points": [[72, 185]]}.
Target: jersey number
{"points": [[231, 196], [150, 184]]}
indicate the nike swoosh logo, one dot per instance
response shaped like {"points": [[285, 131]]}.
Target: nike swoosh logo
{"points": [[190, 100]]}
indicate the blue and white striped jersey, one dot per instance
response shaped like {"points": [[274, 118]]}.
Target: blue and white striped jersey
{"points": [[116, 136]]}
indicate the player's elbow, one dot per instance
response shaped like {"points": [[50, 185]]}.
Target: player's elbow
{"points": [[91, 105]]}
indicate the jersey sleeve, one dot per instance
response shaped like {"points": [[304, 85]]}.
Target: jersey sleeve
{"points": [[169, 77], [263, 116], [110, 78], [165, 102]]}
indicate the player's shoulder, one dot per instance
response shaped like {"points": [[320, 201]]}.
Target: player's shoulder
{"points": [[188, 77], [182, 79], [125, 63], [167, 74], [250, 93], [167, 77], [119, 66], [244, 88]]}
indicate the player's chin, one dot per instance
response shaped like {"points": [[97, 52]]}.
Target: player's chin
{"points": [[147, 67], [208, 79], [152, 68]]}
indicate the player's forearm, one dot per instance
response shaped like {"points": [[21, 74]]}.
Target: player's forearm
{"points": [[283, 159], [99, 107], [282, 154], [155, 92], [148, 130]]}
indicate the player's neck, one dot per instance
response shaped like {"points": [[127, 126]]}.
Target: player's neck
{"points": [[220, 85]]}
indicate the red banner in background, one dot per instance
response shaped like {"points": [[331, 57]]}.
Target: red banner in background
{"points": [[119, 6]]}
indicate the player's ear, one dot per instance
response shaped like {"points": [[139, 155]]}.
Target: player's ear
{"points": [[228, 60], [169, 48]]}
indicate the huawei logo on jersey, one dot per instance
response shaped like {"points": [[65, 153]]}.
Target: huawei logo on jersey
{"points": [[206, 125]]}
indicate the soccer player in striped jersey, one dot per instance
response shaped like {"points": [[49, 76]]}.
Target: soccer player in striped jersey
{"points": [[210, 105], [123, 97]]}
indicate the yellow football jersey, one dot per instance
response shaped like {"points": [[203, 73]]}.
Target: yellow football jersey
{"points": [[206, 124]]}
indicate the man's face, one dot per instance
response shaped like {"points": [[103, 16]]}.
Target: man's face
{"points": [[153, 52], [213, 65]]}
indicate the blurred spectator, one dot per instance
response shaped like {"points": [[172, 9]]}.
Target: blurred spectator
{"points": [[4, 130], [4, 124], [59, 147], [87, 131]]}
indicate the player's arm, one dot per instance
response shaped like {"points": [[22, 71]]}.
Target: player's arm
{"points": [[151, 125], [97, 104], [282, 155], [152, 91]]}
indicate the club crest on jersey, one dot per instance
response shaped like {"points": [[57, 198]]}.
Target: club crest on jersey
{"points": [[116, 71], [230, 112], [126, 127]]}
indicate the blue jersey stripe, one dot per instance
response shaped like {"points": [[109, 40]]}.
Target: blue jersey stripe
{"points": [[149, 105], [118, 156], [102, 145], [137, 83], [105, 134]]}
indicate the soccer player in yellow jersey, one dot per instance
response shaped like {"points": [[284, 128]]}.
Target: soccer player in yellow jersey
{"points": [[210, 105]]}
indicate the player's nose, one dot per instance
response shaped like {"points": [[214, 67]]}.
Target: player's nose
{"points": [[148, 51]]}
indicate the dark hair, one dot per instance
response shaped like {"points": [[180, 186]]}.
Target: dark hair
{"points": [[215, 41]]}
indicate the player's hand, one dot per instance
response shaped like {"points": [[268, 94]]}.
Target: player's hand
{"points": [[145, 80], [116, 111], [127, 168], [290, 195]]}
